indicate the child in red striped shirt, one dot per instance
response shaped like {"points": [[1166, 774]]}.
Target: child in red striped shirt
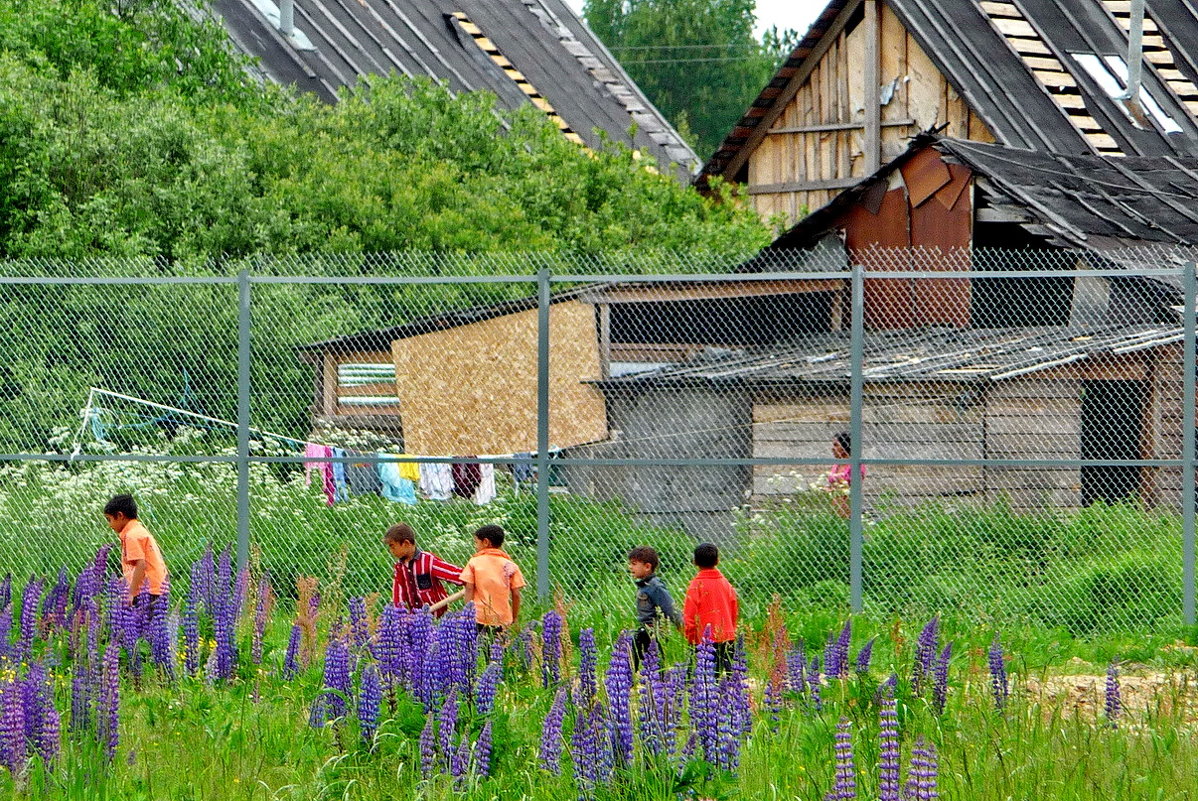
{"points": [[418, 574]]}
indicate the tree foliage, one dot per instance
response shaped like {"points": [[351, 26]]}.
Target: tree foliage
{"points": [[129, 129], [698, 61]]}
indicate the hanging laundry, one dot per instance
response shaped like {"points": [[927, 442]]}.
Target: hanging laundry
{"points": [[486, 485], [466, 478], [341, 487], [363, 477], [320, 455], [410, 470], [395, 487], [522, 468], [312, 456], [436, 481]]}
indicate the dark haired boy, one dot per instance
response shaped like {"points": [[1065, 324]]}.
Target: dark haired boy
{"points": [[141, 560], [493, 581], [711, 607], [654, 606], [418, 574]]}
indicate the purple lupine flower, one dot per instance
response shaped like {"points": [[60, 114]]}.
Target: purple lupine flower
{"points": [[108, 706], [482, 751], [484, 698], [999, 685], [705, 707], [6, 590], [796, 671], [369, 701], [922, 773], [459, 763], [551, 734], [203, 581], [447, 723], [1114, 696], [727, 754], [331, 703], [926, 649], [591, 748], [42, 722], [588, 661], [191, 637], [815, 684], [524, 642], [846, 772], [291, 657], [864, 657], [940, 687], [836, 655], [28, 625], [428, 749], [649, 708], [226, 608], [737, 696], [888, 752], [618, 682], [389, 645], [358, 627], [80, 703], [262, 607], [54, 607], [671, 695], [162, 644], [5, 630], [551, 649], [12, 727]]}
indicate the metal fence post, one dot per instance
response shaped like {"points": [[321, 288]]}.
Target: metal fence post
{"points": [[1190, 286], [543, 433], [856, 403], [243, 418]]}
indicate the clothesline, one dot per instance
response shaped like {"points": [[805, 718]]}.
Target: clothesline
{"points": [[87, 416]]}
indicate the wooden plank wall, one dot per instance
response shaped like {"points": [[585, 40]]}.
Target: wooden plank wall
{"points": [[1163, 427], [1034, 419], [900, 421], [834, 95]]}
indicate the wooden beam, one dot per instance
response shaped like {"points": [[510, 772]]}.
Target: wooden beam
{"points": [[838, 126], [1002, 214], [605, 340], [873, 89], [790, 90], [717, 291], [803, 186]]}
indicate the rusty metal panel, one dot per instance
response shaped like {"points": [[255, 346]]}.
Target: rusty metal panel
{"points": [[871, 240], [940, 237], [925, 174]]}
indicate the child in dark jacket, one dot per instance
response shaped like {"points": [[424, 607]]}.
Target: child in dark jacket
{"points": [[654, 606]]}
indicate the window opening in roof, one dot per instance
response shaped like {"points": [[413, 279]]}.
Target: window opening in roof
{"points": [[1111, 75]]}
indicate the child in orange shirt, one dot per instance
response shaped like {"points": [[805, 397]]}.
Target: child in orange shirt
{"points": [[141, 560], [493, 581], [711, 607]]}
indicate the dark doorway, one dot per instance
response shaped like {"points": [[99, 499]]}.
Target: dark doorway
{"points": [[1112, 414]]}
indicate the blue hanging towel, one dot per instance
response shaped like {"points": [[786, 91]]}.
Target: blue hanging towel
{"points": [[395, 487], [339, 482]]}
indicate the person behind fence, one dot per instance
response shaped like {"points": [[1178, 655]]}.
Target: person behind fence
{"points": [[711, 607], [418, 574], [493, 582], [141, 559], [654, 606], [840, 477]]}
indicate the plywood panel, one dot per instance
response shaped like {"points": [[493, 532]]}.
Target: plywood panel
{"points": [[473, 390]]}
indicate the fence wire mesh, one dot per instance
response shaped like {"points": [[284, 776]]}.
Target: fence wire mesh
{"points": [[1013, 442]]}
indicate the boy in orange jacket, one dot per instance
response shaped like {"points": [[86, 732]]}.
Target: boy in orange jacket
{"points": [[711, 607]]}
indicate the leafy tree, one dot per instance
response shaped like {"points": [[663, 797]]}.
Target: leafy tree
{"points": [[697, 60]]}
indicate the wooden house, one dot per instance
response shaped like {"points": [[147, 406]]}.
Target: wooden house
{"points": [[534, 52], [1043, 76]]}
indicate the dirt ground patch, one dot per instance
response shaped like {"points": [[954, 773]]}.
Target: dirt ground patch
{"points": [[1144, 694]]}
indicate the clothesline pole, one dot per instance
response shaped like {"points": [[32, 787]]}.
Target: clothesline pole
{"points": [[543, 434]]}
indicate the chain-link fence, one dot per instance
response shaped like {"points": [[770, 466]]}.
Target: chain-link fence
{"points": [[1013, 442]]}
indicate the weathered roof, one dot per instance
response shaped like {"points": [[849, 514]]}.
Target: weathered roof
{"points": [[942, 355], [1077, 201], [523, 51], [1015, 64]]}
